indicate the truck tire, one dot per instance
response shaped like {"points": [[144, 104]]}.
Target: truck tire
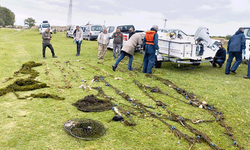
{"points": [[157, 64]]}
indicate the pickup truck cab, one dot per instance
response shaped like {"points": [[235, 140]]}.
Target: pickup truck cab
{"points": [[125, 31]]}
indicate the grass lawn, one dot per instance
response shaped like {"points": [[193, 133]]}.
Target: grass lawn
{"points": [[38, 123]]}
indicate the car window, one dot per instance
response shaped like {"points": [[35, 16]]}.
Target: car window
{"points": [[111, 29], [96, 28], [125, 28], [45, 26], [83, 29]]}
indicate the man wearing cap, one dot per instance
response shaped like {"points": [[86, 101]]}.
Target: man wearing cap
{"points": [[131, 32], [46, 36], [78, 36], [150, 45]]}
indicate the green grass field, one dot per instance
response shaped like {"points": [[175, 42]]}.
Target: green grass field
{"points": [[38, 123]]}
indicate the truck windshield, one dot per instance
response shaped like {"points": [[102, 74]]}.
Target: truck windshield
{"points": [[96, 28], [126, 28], [45, 26]]}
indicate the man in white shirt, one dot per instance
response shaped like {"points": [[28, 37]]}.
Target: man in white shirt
{"points": [[103, 41]]}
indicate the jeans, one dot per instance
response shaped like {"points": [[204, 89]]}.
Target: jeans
{"points": [[238, 56], [148, 62], [78, 46], [116, 50], [123, 54], [50, 47], [218, 61]]}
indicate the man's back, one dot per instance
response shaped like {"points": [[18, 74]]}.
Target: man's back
{"points": [[237, 42]]}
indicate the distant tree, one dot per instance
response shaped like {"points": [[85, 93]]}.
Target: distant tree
{"points": [[7, 16], [30, 22], [2, 22], [228, 37]]}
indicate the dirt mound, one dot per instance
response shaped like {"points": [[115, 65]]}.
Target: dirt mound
{"points": [[92, 104]]}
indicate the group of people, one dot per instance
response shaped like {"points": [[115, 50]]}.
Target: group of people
{"points": [[149, 42]]}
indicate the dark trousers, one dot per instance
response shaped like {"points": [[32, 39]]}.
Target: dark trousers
{"points": [[78, 46], [148, 62], [238, 56], [50, 47], [218, 61], [123, 54]]}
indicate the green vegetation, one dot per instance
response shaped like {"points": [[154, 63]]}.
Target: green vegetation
{"points": [[7, 17], [30, 22], [38, 123]]}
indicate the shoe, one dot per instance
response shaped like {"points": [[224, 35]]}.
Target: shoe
{"points": [[247, 77], [233, 72], [220, 66], [227, 73], [114, 68], [77, 54], [54, 56], [214, 65], [131, 69], [44, 57]]}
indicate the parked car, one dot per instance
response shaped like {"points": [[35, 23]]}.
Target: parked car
{"points": [[44, 26], [124, 30], [70, 31], [92, 32]]}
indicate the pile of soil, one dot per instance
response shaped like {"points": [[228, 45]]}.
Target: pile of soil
{"points": [[92, 104]]}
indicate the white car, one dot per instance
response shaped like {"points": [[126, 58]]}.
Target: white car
{"points": [[92, 32], [43, 27], [70, 31]]}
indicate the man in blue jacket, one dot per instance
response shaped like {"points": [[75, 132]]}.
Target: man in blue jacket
{"points": [[220, 57], [236, 45], [150, 45]]}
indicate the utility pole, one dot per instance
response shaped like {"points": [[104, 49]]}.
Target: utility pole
{"points": [[69, 14], [165, 20]]}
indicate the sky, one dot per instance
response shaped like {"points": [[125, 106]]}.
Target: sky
{"points": [[221, 17]]}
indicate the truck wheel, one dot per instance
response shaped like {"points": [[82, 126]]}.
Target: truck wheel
{"points": [[158, 64]]}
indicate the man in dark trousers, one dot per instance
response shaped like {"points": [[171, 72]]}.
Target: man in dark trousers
{"points": [[236, 44], [220, 57], [117, 43], [46, 36], [150, 45], [78, 36]]}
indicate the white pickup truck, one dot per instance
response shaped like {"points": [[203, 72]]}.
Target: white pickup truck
{"points": [[124, 30]]}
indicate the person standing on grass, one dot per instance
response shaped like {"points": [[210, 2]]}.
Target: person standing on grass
{"points": [[236, 44], [150, 45], [103, 41], [248, 70], [219, 57], [78, 36], [46, 36], [128, 50], [117, 43]]}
